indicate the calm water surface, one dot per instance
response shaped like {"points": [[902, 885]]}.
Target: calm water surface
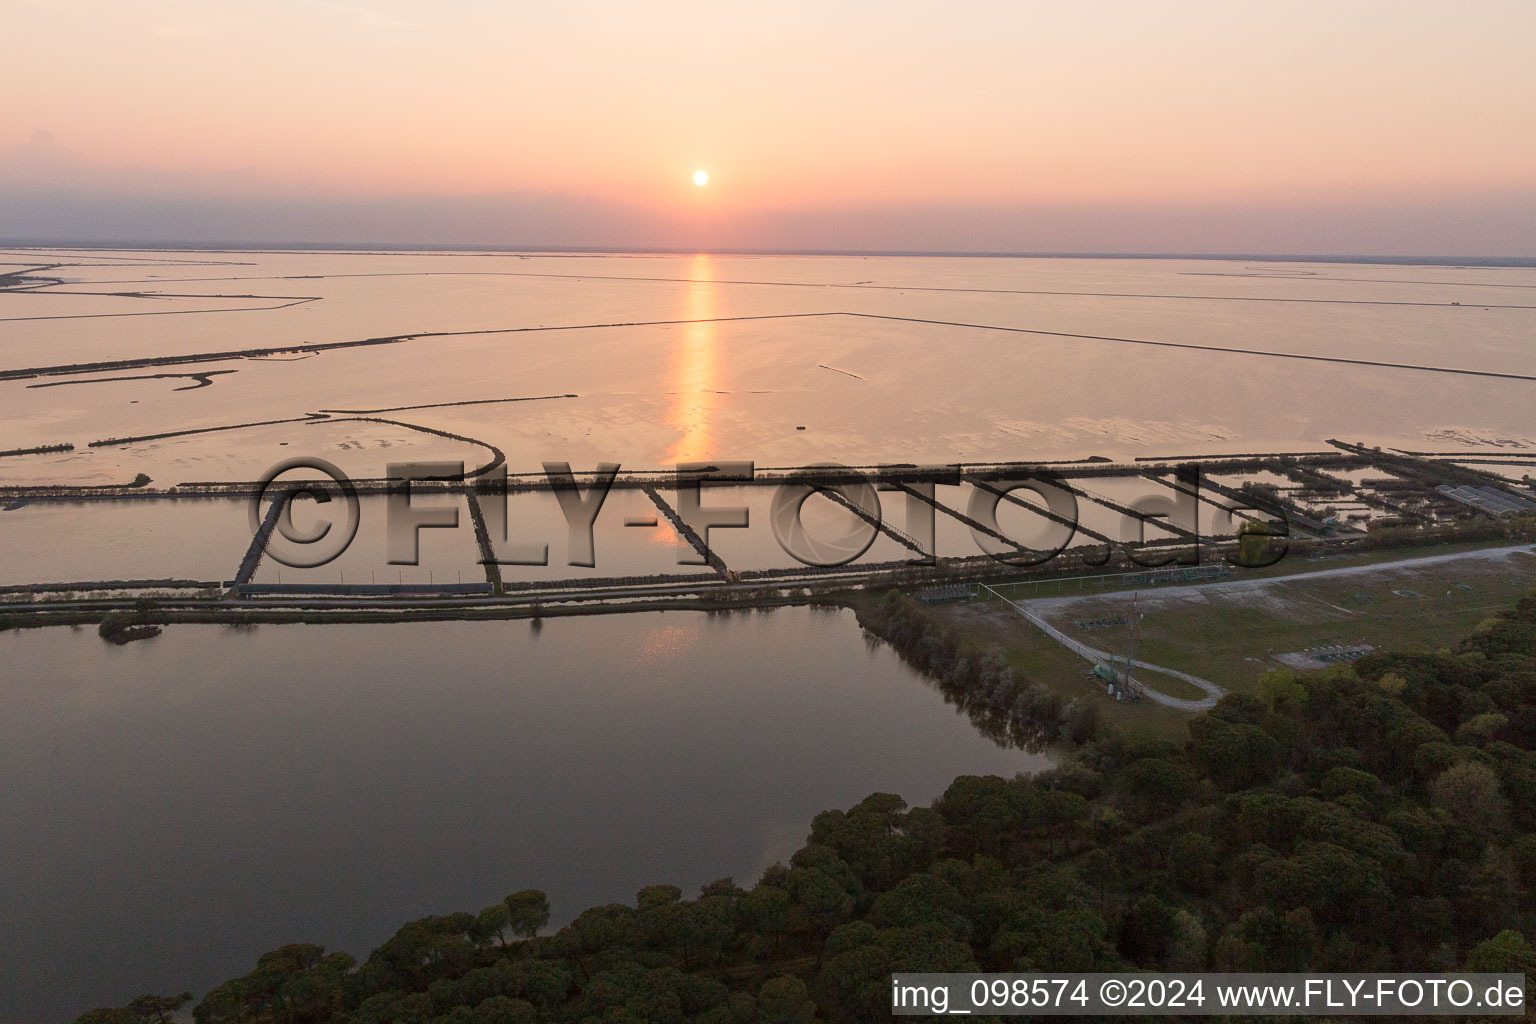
{"points": [[661, 359], [177, 806]]}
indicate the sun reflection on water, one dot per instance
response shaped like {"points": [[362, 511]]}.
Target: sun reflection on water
{"points": [[693, 377]]}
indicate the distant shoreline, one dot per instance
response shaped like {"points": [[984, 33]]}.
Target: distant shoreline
{"points": [[577, 250]]}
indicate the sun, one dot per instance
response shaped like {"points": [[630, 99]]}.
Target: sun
{"points": [[701, 178]]}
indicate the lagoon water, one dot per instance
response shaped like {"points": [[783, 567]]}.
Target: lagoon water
{"points": [[177, 806], [650, 360]]}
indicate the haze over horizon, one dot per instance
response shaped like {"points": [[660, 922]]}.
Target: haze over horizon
{"points": [[1371, 129]]}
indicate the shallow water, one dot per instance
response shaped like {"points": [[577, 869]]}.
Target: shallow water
{"points": [[868, 355]]}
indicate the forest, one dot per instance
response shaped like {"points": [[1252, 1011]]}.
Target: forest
{"points": [[1378, 816]]}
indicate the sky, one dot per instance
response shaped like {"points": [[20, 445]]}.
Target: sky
{"points": [[1349, 127]]}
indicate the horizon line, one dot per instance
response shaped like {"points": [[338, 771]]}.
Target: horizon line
{"points": [[162, 245]]}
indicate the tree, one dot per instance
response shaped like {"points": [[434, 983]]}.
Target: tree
{"points": [[1155, 787], [146, 1009], [1469, 793], [493, 923], [654, 896], [920, 899], [295, 982], [1505, 953], [819, 903], [1147, 931], [1234, 756], [502, 1010], [785, 1000], [1186, 943], [527, 912], [1480, 730], [1279, 688]]}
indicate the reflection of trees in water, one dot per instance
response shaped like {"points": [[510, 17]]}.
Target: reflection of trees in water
{"points": [[1006, 709]]}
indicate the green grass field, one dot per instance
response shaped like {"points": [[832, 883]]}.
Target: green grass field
{"points": [[1037, 658], [1228, 632]]}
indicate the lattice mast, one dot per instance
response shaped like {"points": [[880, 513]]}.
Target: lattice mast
{"points": [[1129, 688]]}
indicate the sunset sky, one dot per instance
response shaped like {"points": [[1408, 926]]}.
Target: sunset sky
{"points": [[1304, 127]]}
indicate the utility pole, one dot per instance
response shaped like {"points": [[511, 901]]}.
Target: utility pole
{"points": [[1128, 687]]}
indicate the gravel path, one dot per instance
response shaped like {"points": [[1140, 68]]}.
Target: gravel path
{"points": [[1035, 609]]}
